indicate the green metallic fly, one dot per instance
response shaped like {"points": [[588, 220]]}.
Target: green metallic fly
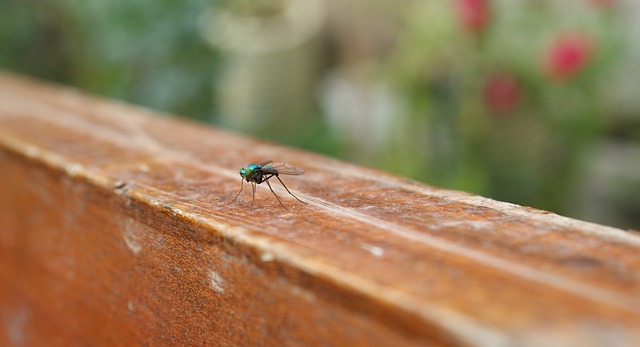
{"points": [[262, 172]]}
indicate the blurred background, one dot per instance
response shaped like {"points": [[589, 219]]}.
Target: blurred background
{"points": [[535, 102]]}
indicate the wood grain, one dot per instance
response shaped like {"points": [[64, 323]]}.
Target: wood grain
{"points": [[116, 229]]}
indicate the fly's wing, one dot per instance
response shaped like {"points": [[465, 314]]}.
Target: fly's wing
{"points": [[282, 169], [265, 163]]}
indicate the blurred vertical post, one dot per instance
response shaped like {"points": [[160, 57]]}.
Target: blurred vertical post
{"points": [[271, 54]]}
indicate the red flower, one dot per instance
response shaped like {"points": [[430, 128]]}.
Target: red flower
{"points": [[502, 93], [567, 56], [474, 14]]}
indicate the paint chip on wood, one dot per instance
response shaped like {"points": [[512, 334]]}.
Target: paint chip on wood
{"points": [[267, 257], [375, 250], [217, 282]]}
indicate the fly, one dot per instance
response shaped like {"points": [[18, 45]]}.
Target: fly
{"points": [[262, 172]]}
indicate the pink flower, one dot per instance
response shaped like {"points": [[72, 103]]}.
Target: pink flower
{"points": [[605, 4], [502, 93], [567, 56], [474, 14]]}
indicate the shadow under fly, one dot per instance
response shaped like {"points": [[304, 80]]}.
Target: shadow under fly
{"points": [[262, 172]]}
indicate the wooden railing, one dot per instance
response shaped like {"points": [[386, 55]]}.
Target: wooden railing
{"points": [[116, 228]]}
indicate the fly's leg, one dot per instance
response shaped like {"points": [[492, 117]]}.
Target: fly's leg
{"points": [[285, 187], [234, 199], [274, 194], [253, 197]]}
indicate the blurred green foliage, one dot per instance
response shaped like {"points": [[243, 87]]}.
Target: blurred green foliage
{"points": [[145, 52]]}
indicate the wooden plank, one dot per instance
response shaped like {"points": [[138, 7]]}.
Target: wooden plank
{"points": [[116, 228]]}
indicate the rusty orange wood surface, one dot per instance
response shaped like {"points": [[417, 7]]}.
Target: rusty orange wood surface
{"points": [[116, 229]]}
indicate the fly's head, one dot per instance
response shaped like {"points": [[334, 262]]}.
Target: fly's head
{"points": [[248, 173]]}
